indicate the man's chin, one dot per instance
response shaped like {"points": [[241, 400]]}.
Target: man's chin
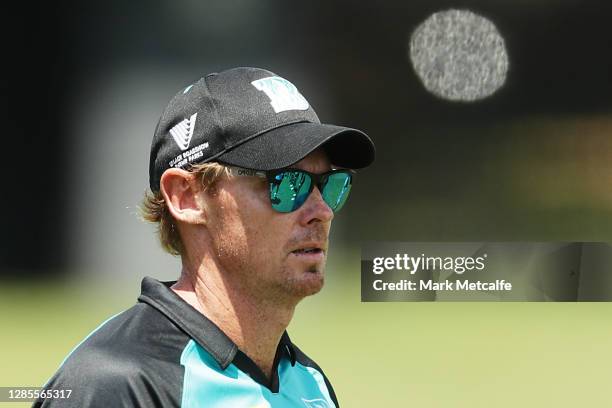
{"points": [[307, 283]]}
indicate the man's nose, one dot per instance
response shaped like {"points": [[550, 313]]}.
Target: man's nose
{"points": [[316, 209]]}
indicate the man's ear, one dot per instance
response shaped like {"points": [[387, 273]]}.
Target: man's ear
{"points": [[180, 190]]}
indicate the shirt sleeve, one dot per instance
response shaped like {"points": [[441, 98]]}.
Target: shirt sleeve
{"points": [[97, 380]]}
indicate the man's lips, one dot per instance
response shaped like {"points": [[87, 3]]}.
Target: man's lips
{"points": [[312, 252], [310, 247], [314, 256], [307, 250]]}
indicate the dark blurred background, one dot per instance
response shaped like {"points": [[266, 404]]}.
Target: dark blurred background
{"points": [[84, 83]]}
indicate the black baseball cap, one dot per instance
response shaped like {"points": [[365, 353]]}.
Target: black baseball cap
{"points": [[250, 118]]}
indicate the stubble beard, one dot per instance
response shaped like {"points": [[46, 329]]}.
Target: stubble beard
{"points": [[253, 274], [298, 285], [288, 285]]}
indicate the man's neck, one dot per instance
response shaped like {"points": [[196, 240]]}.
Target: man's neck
{"points": [[253, 324]]}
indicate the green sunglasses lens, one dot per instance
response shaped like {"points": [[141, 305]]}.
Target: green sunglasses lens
{"points": [[289, 190], [336, 190]]}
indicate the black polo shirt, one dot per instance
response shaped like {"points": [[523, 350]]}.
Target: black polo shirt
{"points": [[164, 353]]}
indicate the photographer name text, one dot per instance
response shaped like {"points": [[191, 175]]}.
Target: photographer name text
{"points": [[414, 264], [460, 285]]}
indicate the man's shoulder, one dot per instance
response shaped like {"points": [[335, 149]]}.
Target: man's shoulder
{"points": [[139, 330], [122, 361]]}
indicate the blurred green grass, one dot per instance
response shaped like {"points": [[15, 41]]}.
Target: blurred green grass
{"points": [[376, 354]]}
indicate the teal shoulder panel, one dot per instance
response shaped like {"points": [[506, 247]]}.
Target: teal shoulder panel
{"points": [[307, 385], [206, 384]]}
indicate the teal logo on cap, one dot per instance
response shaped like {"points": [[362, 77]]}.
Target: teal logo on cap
{"points": [[282, 93]]}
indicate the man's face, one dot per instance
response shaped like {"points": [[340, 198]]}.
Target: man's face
{"points": [[264, 249]]}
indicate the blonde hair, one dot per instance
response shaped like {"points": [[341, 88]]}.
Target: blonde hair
{"points": [[154, 209]]}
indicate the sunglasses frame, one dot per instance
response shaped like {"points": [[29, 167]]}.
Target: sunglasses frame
{"points": [[270, 176]]}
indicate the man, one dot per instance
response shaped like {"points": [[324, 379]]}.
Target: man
{"points": [[245, 181]]}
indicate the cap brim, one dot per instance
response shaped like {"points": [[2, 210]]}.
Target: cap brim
{"points": [[287, 145]]}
